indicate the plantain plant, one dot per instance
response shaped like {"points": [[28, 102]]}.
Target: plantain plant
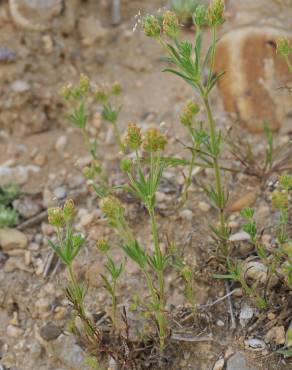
{"points": [[188, 63]]}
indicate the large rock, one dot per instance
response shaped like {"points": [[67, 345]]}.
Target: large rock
{"points": [[12, 239], [254, 74]]}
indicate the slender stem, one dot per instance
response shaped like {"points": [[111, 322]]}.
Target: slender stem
{"points": [[118, 136], [212, 62], [216, 164], [188, 181]]}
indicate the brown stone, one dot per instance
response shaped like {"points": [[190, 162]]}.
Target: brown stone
{"points": [[253, 75]]}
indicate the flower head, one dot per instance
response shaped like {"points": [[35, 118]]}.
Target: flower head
{"points": [[190, 110], [84, 85], [113, 209], [102, 245], [68, 209], [116, 88], [154, 140], [56, 217], [151, 26], [215, 13], [199, 16], [133, 137], [66, 91], [170, 24]]}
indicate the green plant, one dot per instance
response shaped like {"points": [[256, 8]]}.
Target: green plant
{"points": [[144, 178], [110, 284], [260, 165], [8, 216], [189, 65], [8, 193], [285, 49], [67, 248]]}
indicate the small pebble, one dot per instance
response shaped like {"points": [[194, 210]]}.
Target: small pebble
{"points": [[13, 331], [61, 144], [186, 214], [205, 207]]}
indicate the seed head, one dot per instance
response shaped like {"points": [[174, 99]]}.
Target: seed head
{"points": [[199, 16], [154, 140], [116, 88], [151, 26], [283, 47], [190, 110], [69, 209], [56, 217], [102, 245], [215, 13], [133, 137], [66, 91], [113, 209], [170, 24], [279, 200], [100, 96], [84, 84]]}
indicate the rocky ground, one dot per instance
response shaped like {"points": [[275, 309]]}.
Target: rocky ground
{"points": [[44, 49]]}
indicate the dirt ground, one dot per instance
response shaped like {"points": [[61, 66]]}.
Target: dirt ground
{"points": [[36, 139]]}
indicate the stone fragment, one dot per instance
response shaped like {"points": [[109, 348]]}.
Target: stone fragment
{"points": [[91, 30], [13, 331], [219, 364], [20, 86], [276, 335], [7, 55], [50, 332], [205, 207], [12, 239], [253, 74], [247, 200], [15, 263], [186, 214], [35, 15]]}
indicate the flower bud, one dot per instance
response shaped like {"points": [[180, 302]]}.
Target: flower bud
{"points": [[199, 16], [170, 24], [154, 140], [56, 217], [151, 26], [102, 245], [133, 138]]}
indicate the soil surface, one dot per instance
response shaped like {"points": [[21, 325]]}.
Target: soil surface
{"points": [[48, 154]]}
